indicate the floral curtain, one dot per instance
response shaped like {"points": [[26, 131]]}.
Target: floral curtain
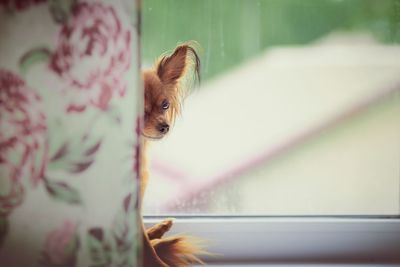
{"points": [[68, 145]]}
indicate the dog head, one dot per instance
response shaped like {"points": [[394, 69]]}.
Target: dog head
{"points": [[164, 89]]}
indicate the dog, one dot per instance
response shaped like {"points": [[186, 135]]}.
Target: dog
{"points": [[164, 91]]}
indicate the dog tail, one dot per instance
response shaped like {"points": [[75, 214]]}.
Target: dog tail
{"points": [[180, 250]]}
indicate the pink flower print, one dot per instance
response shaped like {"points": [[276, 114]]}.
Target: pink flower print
{"points": [[92, 56], [61, 246], [19, 4], [23, 131], [11, 195]]}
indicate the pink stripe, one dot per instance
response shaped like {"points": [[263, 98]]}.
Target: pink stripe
{"points": [[168, 171], [195, 190]]}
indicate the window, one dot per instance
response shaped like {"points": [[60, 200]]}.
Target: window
{"points": [[296, 125]]}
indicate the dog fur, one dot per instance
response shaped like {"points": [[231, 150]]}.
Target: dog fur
{"points": [[164, 91]]}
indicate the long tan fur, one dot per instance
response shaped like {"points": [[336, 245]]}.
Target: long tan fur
{"points": [[164, 92], [179, 251]]}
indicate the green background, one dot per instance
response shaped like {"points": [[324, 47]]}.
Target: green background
{"points": [[232, 31]]}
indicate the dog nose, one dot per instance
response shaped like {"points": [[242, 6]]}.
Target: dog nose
{"points": [[163, 128]]}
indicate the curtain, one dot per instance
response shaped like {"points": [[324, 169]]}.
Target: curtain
{"points": [[69, 103]]}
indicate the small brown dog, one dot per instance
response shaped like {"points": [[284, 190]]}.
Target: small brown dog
{"points": [[164, 91]]}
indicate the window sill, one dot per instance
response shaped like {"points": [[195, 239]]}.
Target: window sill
{"points": [[295, 239]]}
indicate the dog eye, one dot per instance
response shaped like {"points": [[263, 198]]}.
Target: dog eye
{"points": [[165, 104]]}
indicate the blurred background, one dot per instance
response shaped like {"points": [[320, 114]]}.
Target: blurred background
{"points": [[298, 112]]}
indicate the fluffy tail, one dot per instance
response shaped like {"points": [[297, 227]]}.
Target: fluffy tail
{"points": [[179, 250]]}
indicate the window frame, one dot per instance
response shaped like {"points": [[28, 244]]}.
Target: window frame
{"points": [[259, 239]]}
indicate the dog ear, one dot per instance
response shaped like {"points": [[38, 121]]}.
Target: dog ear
{"points": [[171, 68]]}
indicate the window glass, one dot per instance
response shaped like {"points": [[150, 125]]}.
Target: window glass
{"points": [[298, 112]]}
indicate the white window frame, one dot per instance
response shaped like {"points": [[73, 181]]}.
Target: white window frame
{"points": [[249, 239]]}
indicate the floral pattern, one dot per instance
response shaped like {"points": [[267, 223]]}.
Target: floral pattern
{"points": [[11, 196], [66, 123], [23, 135], [61, 246], [19, 5], [101, 241], [102, 40], [23, 139]]}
